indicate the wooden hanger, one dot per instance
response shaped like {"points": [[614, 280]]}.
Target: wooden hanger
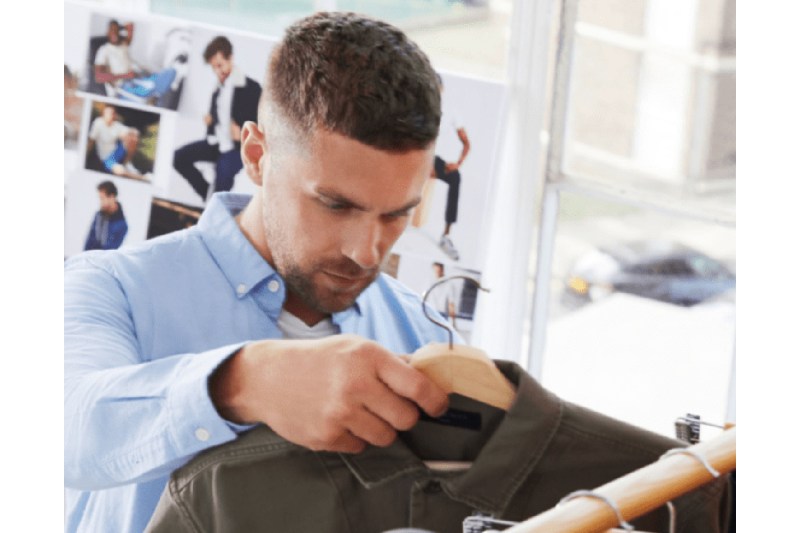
{"points": [[466, 371], [462, 369]]}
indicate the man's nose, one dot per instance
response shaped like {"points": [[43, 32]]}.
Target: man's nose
{"points": [[363, 244]]}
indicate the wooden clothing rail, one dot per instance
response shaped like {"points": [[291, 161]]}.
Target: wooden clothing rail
{"points": [[638, 492]]}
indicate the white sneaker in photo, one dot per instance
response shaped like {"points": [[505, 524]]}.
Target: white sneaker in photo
{"points": [[447, 247], [129, 166]]}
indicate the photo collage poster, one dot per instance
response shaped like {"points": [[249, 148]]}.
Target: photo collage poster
{"points": [[144, 148], [446, 236], [137, 100]]}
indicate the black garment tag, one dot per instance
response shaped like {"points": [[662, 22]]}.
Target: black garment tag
{"points": [[456, 418]]}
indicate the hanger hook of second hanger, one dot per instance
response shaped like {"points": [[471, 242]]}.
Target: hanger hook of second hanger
{"points": [[436, 284]]}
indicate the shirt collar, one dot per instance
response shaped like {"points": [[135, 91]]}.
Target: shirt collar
{"points": [[354, 311], [504, 462], [235, 79], [239, 261]]}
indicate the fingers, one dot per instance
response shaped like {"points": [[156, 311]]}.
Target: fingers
{"points": [[413, 384], [340, 394], [352, 433], [372, 429], [398, 412], [345, 443]]}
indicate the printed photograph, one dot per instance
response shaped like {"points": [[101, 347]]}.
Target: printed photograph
{"points": [[449, 222], [104, 212], [73, 110], [108, 227], [122, 141], [448, 287], [167, 216], [222, 94], [142, 62]]}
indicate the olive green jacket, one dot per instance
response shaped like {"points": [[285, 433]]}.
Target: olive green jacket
{"points": [[524, 462]]}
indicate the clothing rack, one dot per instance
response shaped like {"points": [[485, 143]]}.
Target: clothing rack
{"points": [[639, 492]]}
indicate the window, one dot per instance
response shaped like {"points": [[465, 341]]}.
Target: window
{"points": [[641, 155]]}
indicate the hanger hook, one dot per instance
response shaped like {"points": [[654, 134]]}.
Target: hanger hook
{"points": [[436, 284]]}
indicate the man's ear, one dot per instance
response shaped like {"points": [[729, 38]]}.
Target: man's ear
{"points": [[254, 151]]}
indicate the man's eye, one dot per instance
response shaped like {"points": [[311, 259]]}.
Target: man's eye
{"points": [[336, 206], [399, 214]]}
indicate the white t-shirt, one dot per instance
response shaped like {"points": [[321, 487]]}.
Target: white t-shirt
{"points": [[115, 57], [448, 144], [294, 328], [224, 107], [118, 61], [105, 136]]}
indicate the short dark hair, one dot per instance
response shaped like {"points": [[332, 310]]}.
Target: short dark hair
{"points": [[218, 44], [114, 22], [108, 188], [355, 76]]}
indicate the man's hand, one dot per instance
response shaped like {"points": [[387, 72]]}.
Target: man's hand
{"points": [[207, 119], [451, 167], [120, 170], [339, 393]]}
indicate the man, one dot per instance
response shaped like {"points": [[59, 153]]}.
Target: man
{"points": [[449, 173], [123, 78], [104, 134], [108, 227], [272, 309], [112, 62], [234, 102]]}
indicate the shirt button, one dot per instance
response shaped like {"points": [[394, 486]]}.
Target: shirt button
{"points": [[274, 285], [202, 434], [241, 289]]}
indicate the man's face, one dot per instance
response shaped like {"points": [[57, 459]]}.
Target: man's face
{"points": [[108, 203], [131, 140], [109, 114], [113, 33], [221, 66], [332, 214]]}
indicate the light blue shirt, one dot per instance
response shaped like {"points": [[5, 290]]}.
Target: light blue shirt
{"points": [[146, 325]]}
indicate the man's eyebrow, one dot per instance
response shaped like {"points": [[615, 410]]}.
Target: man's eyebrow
{"points": [[407, 207], [339, 198]]}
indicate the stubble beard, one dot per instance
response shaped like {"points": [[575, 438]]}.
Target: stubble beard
{"points": [[299, 280], [321, 299]]}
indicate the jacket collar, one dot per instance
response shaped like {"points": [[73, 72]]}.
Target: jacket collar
{"points": [[503, 463]]}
